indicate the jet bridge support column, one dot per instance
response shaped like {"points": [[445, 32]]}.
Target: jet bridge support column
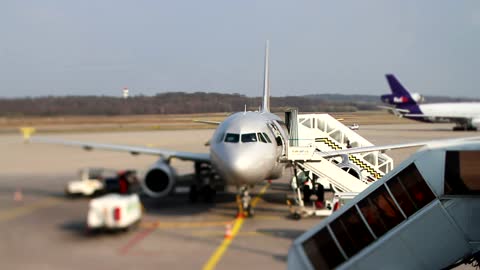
{"points": [[291, 119]]}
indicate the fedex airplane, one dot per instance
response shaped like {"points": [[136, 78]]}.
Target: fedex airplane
{"points": [[466, 115]]}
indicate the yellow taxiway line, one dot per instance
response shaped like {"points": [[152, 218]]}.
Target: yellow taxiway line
{"points": [[16, 212], [218, 254]]}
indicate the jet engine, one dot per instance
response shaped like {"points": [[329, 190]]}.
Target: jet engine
{"points": [[417, 97], [476, 123], [159, 180]]}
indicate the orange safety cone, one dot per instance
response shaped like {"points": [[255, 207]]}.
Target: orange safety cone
{"points": [[228, 231], [240, 214], [18, 196]]}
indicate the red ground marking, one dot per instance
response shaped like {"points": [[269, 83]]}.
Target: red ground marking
{"points": [[135, 240]]}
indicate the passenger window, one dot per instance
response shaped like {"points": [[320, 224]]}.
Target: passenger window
{"points": [[232, 138], [462, 176], [351, 232], [266, 137], [249, 137], [261, 138], [322, 251], [380, 211], [410, 190]]}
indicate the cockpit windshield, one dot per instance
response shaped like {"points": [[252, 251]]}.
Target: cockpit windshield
{"points": [[232, 138], [261, 138], [246, 138], [249, 137]]}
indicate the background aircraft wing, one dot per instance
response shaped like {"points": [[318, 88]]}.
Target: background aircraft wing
{"points": [[134, 150], [394, 111], [384, 148]]}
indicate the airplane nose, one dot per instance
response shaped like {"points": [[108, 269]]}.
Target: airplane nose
{"points": [[245, 167], [247, 172]]}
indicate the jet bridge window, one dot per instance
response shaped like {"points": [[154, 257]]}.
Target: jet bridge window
{"points": [[351, 232], [380, 211], [249, 137], [410, 190], [232, 138], [322, 251], [462, 176]]}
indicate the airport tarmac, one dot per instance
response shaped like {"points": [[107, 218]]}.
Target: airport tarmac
{"points": [[45, 230]]}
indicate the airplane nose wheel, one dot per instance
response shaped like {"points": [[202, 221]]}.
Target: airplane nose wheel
{"points": [[244, 203]]}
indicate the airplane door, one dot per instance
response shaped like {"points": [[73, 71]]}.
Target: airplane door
{"points": [[279, 136]]}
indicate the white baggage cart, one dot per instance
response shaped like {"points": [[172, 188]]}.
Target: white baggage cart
{"points": [[114, 212]]}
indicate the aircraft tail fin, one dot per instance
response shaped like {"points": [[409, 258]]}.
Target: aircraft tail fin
{"points": [[266, 82], [400, 96], [397, 88]]}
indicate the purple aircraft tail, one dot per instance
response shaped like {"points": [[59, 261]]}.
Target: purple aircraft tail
{"points": [[396, 87], [401, 97]]}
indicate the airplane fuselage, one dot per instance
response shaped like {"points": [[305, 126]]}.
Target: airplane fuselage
{"points": [[468, 112], [466, 109], [247, 147]]}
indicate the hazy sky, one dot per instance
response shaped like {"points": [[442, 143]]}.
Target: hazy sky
{"points": [[62, 47]]}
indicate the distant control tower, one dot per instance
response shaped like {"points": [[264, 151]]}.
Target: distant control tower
{"points": [[125, 92]]}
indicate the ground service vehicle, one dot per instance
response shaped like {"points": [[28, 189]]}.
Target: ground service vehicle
{"points": [[114, 212], [91, 182]]}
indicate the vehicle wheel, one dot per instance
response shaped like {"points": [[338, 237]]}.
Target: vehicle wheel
{"points": [[307, 192], [209, 194], [296, 216], [193, 194]]}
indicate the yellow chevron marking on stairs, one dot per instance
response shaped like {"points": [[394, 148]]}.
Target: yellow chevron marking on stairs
{"points": [[354, 159]]}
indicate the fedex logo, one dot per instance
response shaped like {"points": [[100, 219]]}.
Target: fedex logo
{"points": [[400, 99]]}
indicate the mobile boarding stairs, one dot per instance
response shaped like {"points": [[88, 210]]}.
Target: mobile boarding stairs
{"points": [[346, 175]]}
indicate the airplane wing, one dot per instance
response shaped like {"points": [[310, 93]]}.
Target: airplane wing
{"points": [[384, 148], [208, 122], [134, 150], [394, 111]]}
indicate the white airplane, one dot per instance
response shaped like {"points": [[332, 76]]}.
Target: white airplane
{"points": [[246, 149], [466, 115]]}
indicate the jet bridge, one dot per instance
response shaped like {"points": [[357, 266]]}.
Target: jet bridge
{"points": [[322, 132], [422, 215]]}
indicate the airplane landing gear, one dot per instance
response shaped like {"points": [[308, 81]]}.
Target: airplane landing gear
{"points": [[206, 180], [464, 128], [245, 207]]}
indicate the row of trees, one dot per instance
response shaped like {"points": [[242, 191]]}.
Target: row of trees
{"points": [[177, 103]]}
